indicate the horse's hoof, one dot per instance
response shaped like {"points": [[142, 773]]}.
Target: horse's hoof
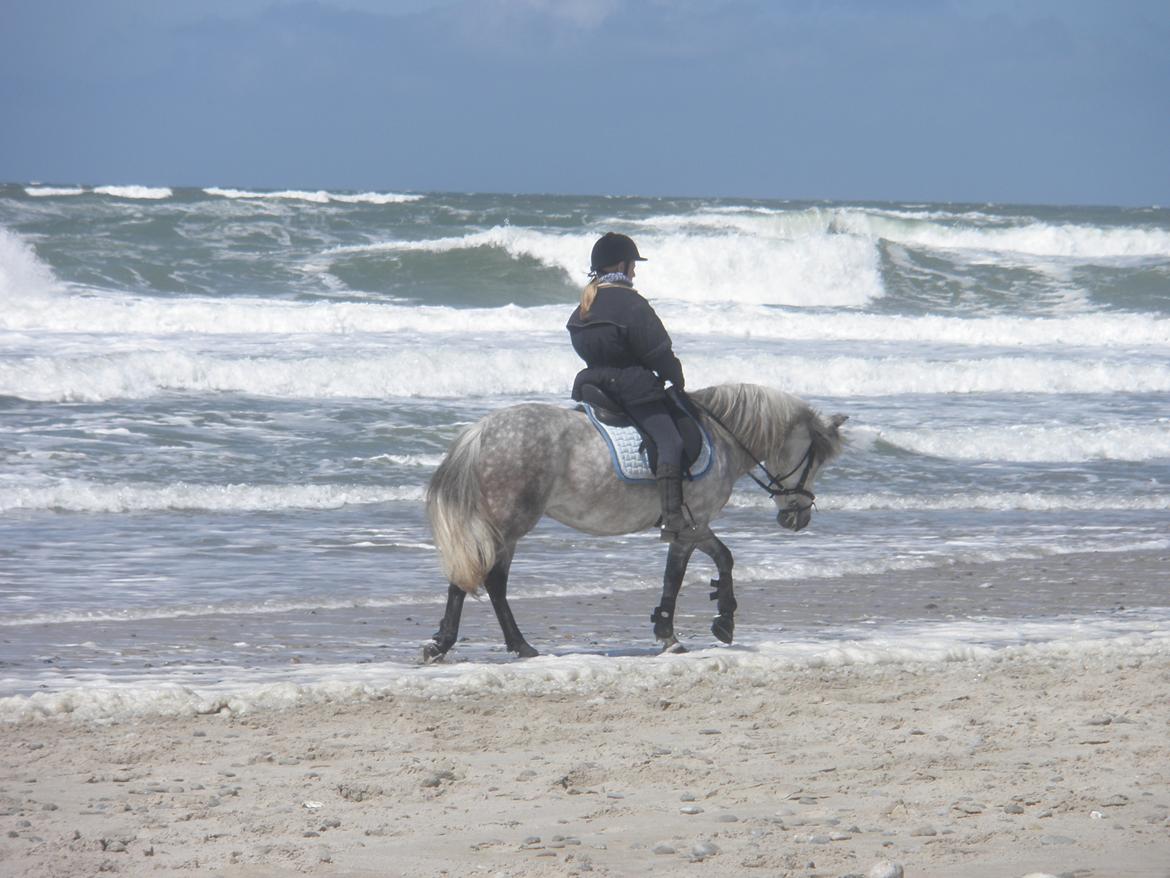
{"points": [[723, 629], [663, 624], [431, 653], [672, 647], [526, 651]]}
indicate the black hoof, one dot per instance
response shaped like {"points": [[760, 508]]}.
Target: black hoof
{"points": [[663, 623], [525, 651], [723, 628], [431, 653]]}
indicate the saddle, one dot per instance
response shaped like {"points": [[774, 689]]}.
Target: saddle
{"points": [[634, 453]]}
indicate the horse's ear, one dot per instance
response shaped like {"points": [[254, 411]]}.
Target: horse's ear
{"points": [[837, 420]]}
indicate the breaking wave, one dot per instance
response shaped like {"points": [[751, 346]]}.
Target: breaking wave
{"points": [[150, 193], [319, 196], [463, 373]]}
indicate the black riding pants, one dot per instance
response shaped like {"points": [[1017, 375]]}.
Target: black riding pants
{"points": [[655, 419]]}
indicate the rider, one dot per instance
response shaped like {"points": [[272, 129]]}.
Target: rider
{"points": [[627, 353]]}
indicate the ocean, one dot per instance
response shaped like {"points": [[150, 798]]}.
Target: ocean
{"points": [[221, 408]]}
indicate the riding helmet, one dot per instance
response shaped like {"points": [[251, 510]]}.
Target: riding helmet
{"points": [[612, 248]]}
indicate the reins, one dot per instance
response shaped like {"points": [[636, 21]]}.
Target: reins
{"points": [[775, 484]]}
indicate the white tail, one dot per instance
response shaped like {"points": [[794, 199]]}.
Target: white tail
{"points": [[466, 539]]}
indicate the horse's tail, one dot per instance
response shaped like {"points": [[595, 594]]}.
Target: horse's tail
{"points": [[466, 538]]}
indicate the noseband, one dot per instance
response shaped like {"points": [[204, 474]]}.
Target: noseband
{"points": [[775, 484]]}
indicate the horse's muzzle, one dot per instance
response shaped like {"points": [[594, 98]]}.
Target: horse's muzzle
{"points": [[794, 519]]}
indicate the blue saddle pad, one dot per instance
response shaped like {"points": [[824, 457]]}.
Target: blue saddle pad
{"points": [[631, 463]]}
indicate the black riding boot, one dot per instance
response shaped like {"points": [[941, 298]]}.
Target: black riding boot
{"points": [[670, 495]]}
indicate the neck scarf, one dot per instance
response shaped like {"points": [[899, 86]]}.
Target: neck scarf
{"points": [[614, 277]]}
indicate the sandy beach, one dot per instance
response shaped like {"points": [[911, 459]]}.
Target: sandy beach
{"points": [[1012, 763]]}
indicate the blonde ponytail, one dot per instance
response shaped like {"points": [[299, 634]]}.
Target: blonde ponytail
{"points": [[588, 295]]}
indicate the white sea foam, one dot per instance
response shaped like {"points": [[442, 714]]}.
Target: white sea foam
{"points": [[124, 313], [25, 281], [1038, 443], [319, 196], [1077, 243], [151, 193], [75, 495], [420, 460], [449, 372], [51, 191], [92, 697], [895, 376]]}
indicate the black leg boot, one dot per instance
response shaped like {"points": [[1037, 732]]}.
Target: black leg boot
{"points": [[675, 527], [670, 495]]}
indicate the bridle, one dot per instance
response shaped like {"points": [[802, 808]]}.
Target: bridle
{"points": [[775, 484]]}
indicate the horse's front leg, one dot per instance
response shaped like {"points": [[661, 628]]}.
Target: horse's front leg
{"points": [[724, 625], [677, 560]]}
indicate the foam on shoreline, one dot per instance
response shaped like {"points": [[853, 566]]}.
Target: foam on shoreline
{"points": [[915, 647]]}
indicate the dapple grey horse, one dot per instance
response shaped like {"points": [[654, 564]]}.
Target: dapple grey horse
{"points": [[513, 466]]}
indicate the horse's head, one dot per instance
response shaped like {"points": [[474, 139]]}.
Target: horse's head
{"points": [[800, 458]]}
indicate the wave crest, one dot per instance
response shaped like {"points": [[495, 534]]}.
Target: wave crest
{"points": [[319, 196], [149, 193]]}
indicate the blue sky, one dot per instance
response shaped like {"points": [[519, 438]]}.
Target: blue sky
{"points": [[917, 100]]}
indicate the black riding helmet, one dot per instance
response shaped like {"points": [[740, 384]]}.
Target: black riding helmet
{"points": [[612, 248]]}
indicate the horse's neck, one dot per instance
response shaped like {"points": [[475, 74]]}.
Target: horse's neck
{"points": [[743, 454]]}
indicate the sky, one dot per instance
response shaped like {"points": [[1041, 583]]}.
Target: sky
{"points": [[1024, 101]]}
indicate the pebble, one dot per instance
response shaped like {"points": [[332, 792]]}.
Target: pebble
{"points": [[727, 818], [359, 792], [532, 839], [663, 848], [884, 869], [691, 809], [687, 797], [1013, 809], [969, 807], [324, 855], [703, 850], [433, 780], [923, 831]]}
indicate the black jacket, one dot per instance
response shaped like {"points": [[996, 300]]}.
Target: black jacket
{"points": [[626, 349]]}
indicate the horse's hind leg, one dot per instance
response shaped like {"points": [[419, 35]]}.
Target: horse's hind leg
{"points": [[444, 638], [497, 589], [677, 560], [724, 625]]}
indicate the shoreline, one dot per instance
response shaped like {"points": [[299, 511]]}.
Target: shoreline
{"points": [[1058, 765]]}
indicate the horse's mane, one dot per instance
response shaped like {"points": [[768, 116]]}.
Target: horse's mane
{"points": [[761, 417]]}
